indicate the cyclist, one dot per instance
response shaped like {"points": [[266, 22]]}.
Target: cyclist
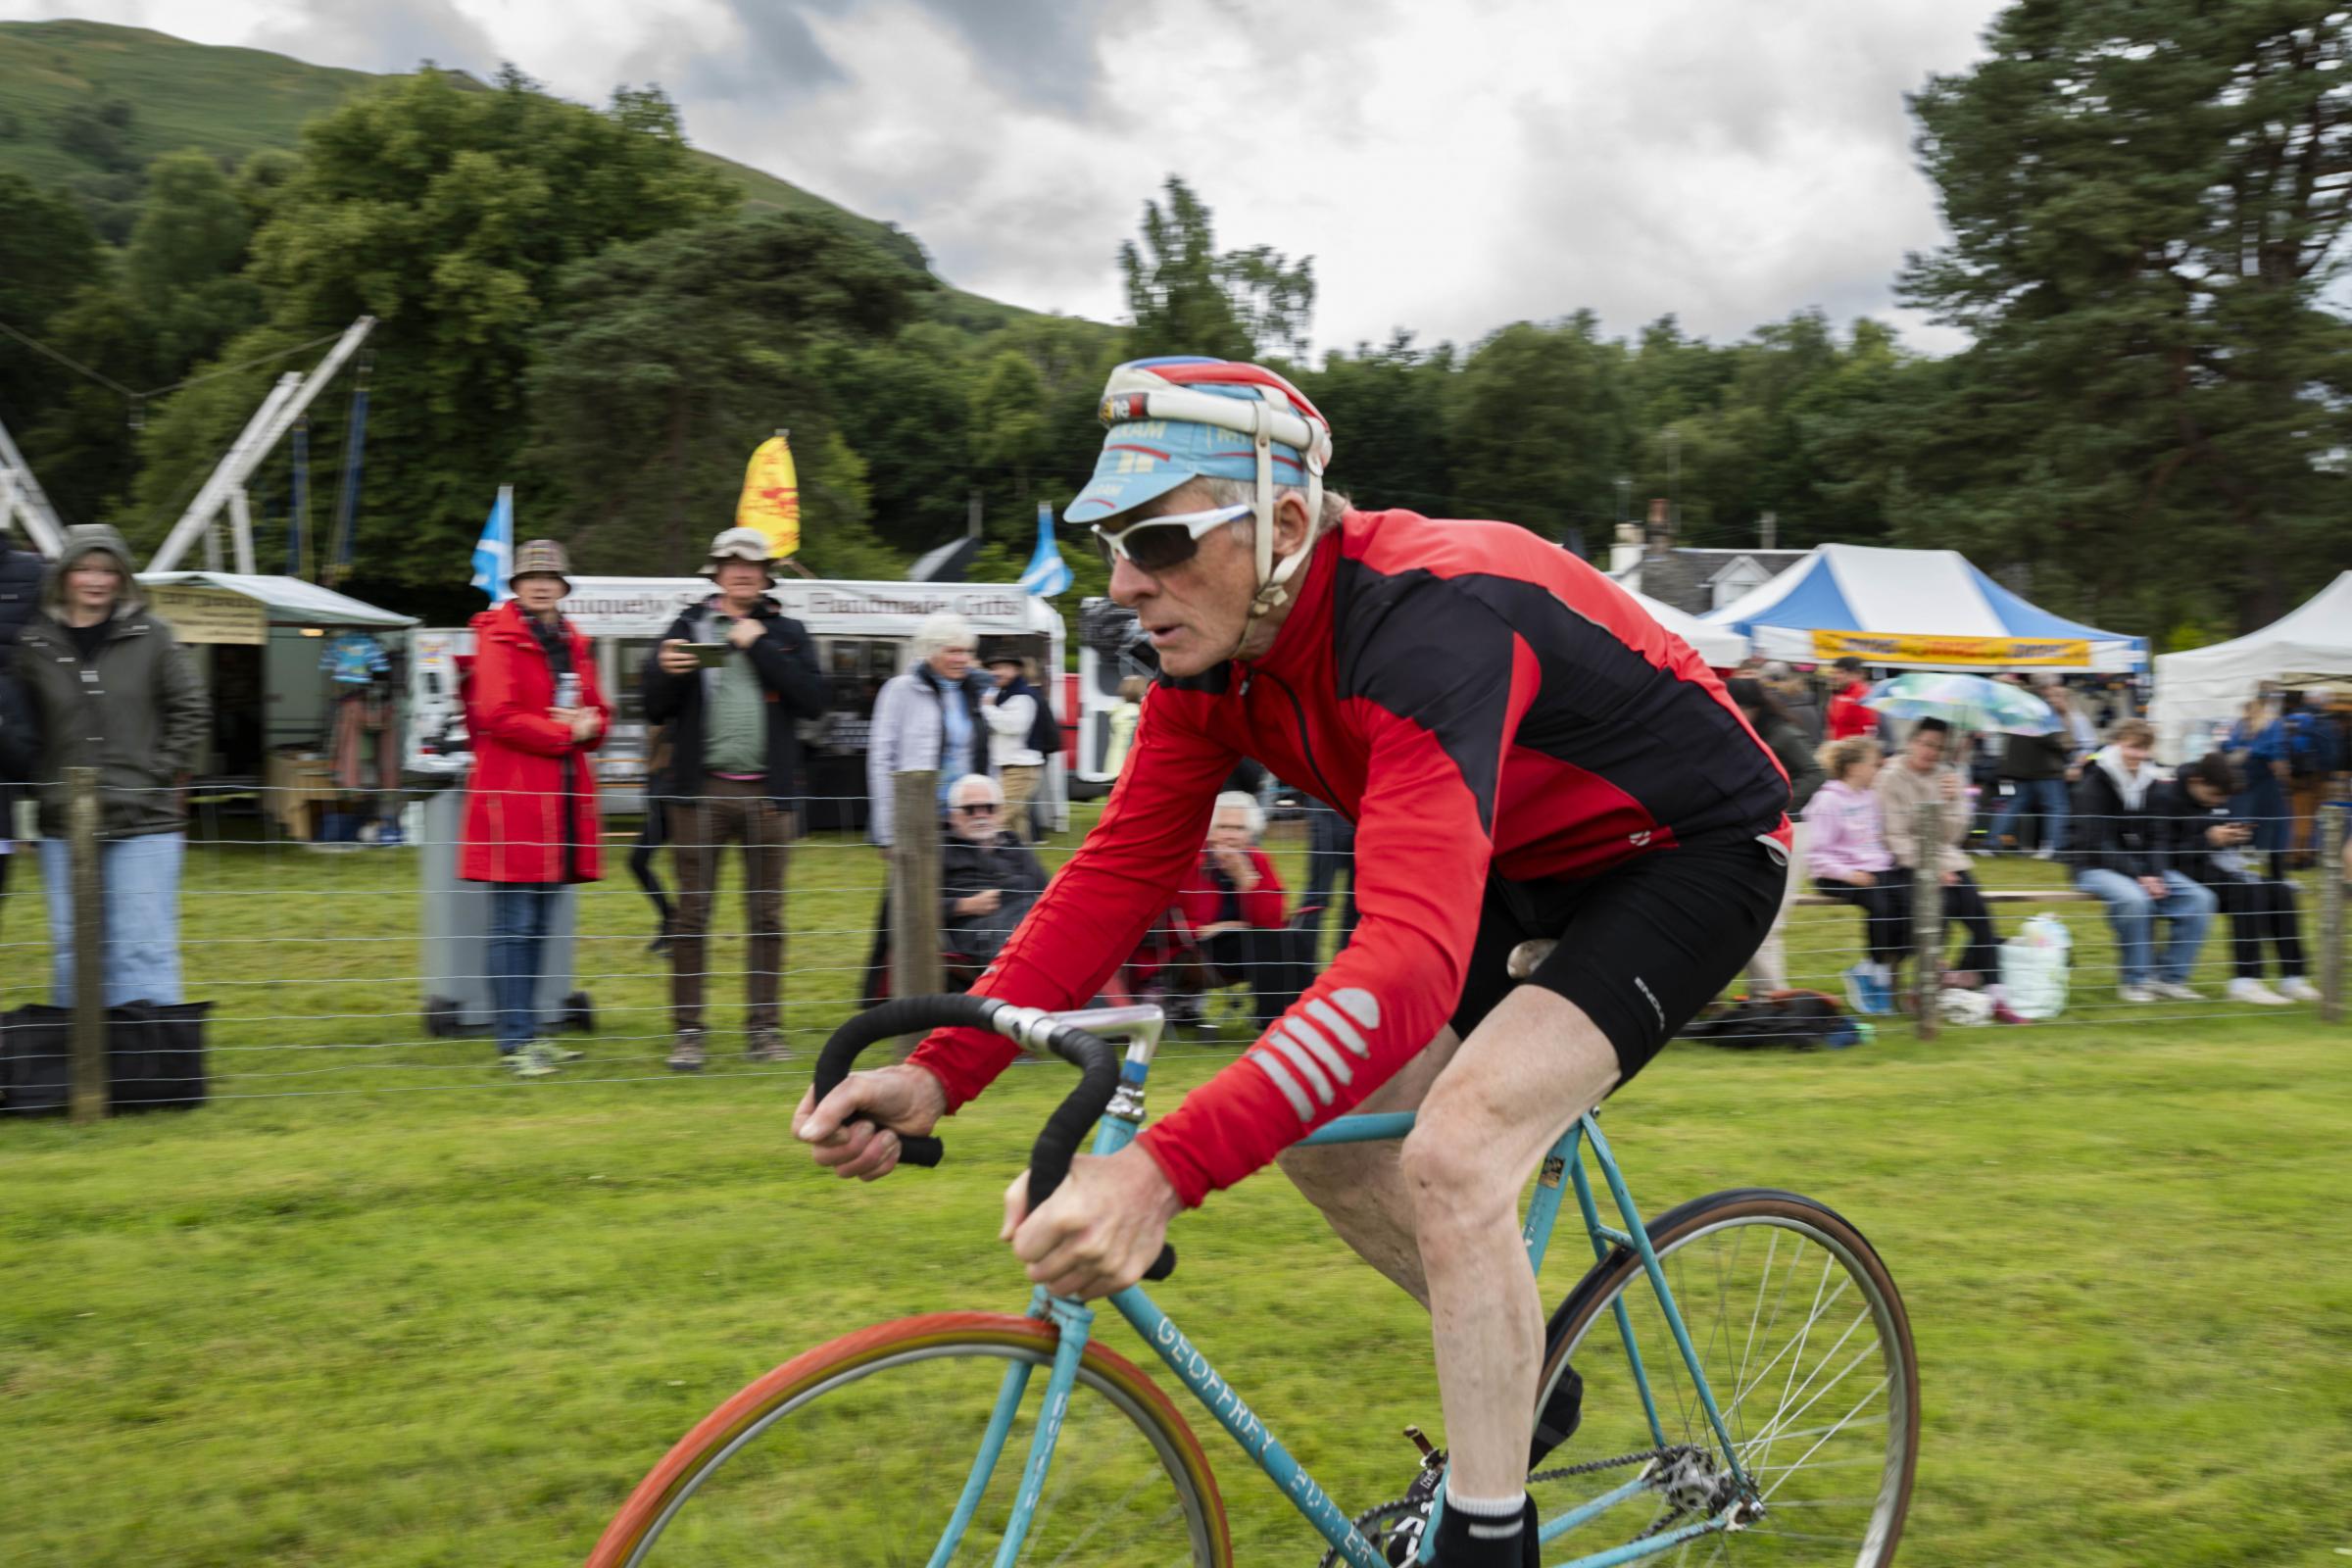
{"points": [[1525, 754]]}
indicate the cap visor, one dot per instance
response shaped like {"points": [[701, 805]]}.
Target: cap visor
{"points": [[1107, 495]]}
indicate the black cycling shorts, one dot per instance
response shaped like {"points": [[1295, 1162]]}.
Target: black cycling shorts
{"points": [[1642, 945]]}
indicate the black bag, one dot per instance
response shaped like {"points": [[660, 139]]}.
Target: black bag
{"points": [[155, 1057], [1792, 1020]]}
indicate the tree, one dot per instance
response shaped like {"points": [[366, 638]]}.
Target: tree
{"points": [[1183, 298], [1387, 407], [1536, 425], [2147, 204], [447, 212], [46, 253], [666, 361]]}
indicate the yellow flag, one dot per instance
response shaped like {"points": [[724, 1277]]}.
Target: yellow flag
{"points": [[771, 497]]}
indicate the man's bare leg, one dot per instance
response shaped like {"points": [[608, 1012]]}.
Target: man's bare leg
{"points": [[1361, 1189], [1530, 1068]]}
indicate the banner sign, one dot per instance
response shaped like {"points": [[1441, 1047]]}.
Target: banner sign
{"points": [[211, 615], [1911, 647]]}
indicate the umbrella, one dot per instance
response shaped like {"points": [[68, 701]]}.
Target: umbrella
{"points": [[1964, 702]]}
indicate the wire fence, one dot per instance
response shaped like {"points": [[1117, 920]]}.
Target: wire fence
{"points": [[305, 947]]}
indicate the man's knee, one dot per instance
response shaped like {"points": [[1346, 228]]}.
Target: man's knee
{"points": [[2195, 898]]}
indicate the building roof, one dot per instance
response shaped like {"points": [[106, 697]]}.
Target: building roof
{"points": [[1684, 578], [291, 601]]}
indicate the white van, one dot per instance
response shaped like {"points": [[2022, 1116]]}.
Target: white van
{"points": [[862, 631]]}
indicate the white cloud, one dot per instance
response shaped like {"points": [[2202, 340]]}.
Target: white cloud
{"points": [[1452, 168]]}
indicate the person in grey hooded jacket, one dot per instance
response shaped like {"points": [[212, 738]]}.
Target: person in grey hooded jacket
{"points": [[113, 691]]}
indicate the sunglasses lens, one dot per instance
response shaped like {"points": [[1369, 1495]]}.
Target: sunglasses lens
{"points": [[1157, 548]]}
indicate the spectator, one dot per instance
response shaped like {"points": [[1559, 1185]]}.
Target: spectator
{"points": [[1848, 718], [1795, 694], [2035, 768], [536, 712], [1021, 735], [1847, 851], [1923, 776], [988, 878], [1123, 719], [2313, 759], [1776, 728], [1330, 859], [928, 717], [2257, 748], [112, 689], [2209, 842], [1234, 911], [19, 728], [2122, 845], [731, 721]]}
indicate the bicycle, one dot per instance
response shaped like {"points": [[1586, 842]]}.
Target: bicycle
{"points": [[850, 1452]]}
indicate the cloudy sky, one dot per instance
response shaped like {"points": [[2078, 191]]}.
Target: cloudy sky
{"points": [[1452, 166]]}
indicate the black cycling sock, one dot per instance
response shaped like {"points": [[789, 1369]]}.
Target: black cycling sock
{"points": [[1556, 1422], [1480, 1540]]}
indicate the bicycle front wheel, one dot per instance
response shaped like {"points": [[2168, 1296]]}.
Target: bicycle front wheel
{"points": [[865, 1452], [1807, 1352]]}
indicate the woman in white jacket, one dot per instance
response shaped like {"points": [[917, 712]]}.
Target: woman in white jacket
{"points": [[927, 718]]}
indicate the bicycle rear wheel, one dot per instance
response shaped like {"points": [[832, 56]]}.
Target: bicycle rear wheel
{"points": [[1808, 1354], [859, 1452]]}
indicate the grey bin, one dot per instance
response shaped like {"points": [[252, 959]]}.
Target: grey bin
{"points": [[454, 927]]}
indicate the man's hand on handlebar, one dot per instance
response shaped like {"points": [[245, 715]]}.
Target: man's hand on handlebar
{"points": [[1102, 1228], [900, 1099]]}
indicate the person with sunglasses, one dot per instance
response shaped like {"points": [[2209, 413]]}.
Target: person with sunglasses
{"points": [[1526, 755], [988, 878]]}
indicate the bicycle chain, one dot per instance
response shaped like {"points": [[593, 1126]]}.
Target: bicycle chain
{"points": [[1406, 1506]]}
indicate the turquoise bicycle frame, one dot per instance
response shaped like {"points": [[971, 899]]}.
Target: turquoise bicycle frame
{"points": [[1074, 1322]]}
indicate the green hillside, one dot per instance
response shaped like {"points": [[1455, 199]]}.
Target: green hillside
{"points": [[86, 105]]}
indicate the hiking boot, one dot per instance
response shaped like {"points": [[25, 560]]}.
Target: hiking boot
{"points": [[535, 1060], [559, 1054], [2175, 990], [767, 1045], [687, 1054], [2129, 991]]}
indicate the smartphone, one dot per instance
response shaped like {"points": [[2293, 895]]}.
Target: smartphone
{"points": [[708, 655]]}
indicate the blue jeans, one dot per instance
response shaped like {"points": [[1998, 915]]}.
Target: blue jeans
{"points": [[2046, 795], [2185, 904], [139, 879], [520, 915]]}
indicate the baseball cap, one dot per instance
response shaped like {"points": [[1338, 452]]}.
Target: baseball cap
{"points": [[1187, 416]]}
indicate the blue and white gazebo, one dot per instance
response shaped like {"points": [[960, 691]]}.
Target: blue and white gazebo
{"points": [[1915, 609]]}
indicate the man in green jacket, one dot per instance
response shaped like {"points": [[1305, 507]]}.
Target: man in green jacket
{"points": [[114, 692]]}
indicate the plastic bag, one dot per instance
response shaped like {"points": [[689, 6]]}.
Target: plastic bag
{"points": [[2033, 968]]}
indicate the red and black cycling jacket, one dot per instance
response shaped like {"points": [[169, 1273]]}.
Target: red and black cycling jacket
{"points": [[1478, 702]]}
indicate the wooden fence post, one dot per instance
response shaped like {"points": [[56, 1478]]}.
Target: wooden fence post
{"points": [[915, 884], [91, 1091], [1927, 920], [2331, 913]]}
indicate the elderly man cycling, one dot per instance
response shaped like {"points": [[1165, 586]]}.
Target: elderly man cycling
{"points": [[1525, 754]]}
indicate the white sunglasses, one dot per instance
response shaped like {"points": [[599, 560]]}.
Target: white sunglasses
{"points": [[1156, 544]]}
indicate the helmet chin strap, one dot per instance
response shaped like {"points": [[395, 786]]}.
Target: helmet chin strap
{"points": [[1274, 576]]}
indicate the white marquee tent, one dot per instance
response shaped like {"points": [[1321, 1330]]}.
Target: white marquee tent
{"points": [[1720, 646], [2206, 688]]}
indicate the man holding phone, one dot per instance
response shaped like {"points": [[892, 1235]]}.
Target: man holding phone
{"points": [[730, 683]]}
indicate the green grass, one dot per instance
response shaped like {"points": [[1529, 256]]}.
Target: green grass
{"points": [[455, 1326]]}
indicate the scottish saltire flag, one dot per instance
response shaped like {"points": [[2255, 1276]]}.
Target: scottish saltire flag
{"points": [[1048, 573], [494, 552]]}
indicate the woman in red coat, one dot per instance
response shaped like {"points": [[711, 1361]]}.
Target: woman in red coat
{"points": [[1235, 912], [536, 711]]}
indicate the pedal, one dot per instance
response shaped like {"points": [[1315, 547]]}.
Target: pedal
{"points": [[1432, 1456]]}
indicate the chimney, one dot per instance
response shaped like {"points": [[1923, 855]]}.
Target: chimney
{"points": [[1626, 547], [1661, 528], [1768, 528]]}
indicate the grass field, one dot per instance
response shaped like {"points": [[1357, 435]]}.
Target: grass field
{"points": [[334, 1323]]}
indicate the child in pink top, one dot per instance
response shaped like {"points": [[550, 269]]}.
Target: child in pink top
{"points": [[1846, 852]]}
